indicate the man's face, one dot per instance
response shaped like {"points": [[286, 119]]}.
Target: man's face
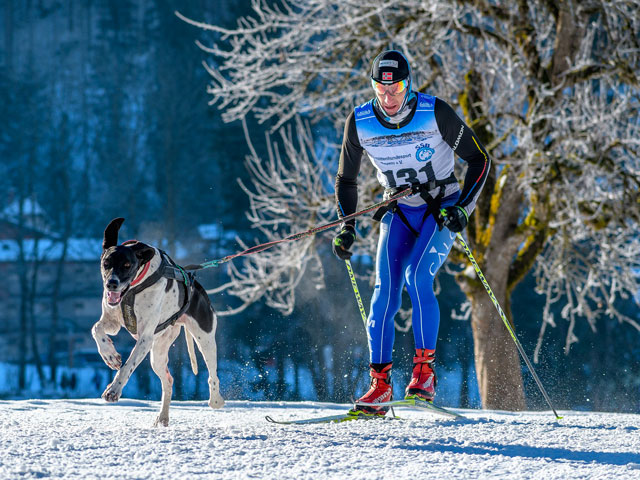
{"points": [[391, 96]]}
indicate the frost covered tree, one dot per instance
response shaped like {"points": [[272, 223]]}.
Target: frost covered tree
{"points": [[551, 88]]}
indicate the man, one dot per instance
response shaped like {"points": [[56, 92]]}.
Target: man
{"points": [[410, 138]]}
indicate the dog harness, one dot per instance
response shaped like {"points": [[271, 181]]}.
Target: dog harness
{"points": [[167, 269]]}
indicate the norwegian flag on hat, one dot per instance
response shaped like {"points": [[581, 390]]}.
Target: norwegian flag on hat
{"points": [[387, 76]]}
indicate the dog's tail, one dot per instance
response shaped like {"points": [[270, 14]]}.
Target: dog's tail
{"points": [[192, 352]]}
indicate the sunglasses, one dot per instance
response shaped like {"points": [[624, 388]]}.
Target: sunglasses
{"points": [[392, 89]]}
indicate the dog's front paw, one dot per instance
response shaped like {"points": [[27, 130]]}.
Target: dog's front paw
{"points": [[111, 394], [109, 355], [113, 361]]}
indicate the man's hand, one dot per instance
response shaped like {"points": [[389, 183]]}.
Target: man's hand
{"points": [[343, 241], [454, 218]]}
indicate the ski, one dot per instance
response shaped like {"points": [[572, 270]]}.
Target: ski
{"points": [[412, 402], [415, 402], [343, 417]]}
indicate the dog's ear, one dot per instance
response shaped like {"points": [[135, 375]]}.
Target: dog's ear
{"points": [[143, 251], [111, 233]]}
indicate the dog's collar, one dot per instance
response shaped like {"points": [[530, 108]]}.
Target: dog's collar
{"points": [[138, 279]]}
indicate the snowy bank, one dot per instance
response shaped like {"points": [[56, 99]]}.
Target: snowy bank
{"points": [[88, 438]]}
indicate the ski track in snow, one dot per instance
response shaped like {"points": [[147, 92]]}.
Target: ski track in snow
{"points": [[86, 439]]}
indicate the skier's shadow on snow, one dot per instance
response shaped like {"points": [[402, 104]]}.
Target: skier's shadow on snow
{"points": [[527, 451]]}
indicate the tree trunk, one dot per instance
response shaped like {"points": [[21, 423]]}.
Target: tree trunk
{"points": [[55, 296], [23, 331], [495, 352], [496, 356], [34, 324]]}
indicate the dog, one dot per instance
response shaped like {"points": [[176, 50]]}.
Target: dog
{"points": [[153, 298]]}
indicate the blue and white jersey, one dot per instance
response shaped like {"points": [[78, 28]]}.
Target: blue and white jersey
{"points": [[413, 153]]}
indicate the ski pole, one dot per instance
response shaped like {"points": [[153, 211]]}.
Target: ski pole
{"points": [[356, 291], [354, 284], [352, 277], [482, 278]]}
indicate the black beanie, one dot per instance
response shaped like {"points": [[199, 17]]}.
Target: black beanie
{"points": [[390, 67]]}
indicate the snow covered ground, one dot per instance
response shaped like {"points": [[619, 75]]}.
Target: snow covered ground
{"points": [[84, 439]]}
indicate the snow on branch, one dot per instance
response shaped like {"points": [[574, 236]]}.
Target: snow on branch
{"points": [[303, 57]]}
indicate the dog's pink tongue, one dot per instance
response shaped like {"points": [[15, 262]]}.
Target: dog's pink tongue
{"points": [[113, 297]]}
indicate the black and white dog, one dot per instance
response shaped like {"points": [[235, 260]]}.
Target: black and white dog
{"points": [[152, 297]]}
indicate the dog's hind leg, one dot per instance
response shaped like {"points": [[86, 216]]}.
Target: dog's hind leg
{"points": [[160, 365], [207, 345]]}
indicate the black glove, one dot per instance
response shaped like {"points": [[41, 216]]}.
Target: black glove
{"points": [[454, 218], [343, 241]]}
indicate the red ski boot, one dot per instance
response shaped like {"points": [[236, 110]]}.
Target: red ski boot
{"points": [[423, 380], [380, 390]]}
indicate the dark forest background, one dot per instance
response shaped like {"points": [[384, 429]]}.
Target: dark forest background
{"points": [[104, 113]]}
